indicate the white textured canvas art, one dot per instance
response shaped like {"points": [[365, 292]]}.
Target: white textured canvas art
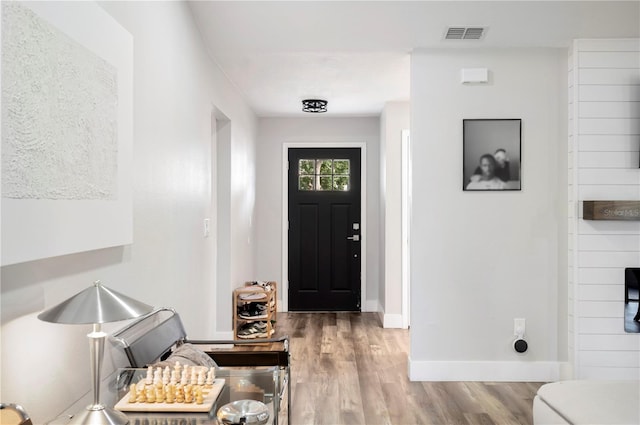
{"points": [[59, 113], [67, 129]]}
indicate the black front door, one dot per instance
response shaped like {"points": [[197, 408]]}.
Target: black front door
{"points": [[324, 229]]}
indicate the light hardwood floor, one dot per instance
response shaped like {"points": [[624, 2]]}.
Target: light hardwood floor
{"points": [[347, 369]]}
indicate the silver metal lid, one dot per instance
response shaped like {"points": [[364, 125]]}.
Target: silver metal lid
{"points": [[243, 412]]}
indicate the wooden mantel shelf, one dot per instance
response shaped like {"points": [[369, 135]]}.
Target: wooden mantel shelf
{"points": [[611, 210]]}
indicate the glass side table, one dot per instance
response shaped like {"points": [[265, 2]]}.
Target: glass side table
{"points": [[264, 384]]}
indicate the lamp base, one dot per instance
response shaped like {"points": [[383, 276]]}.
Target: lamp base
{"points": [[99, 415]]}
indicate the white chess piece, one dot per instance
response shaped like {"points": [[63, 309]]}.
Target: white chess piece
{"points": [[210, 376], [165, 375], [149, 378], [157, 376]]}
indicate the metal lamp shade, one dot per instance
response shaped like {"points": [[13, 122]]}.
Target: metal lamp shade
{"points": [[96, 304]]}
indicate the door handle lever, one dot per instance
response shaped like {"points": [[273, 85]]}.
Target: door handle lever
{"points": [[355, 238]]}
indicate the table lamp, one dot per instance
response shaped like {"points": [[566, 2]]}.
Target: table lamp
{"points": [[96, 305]]}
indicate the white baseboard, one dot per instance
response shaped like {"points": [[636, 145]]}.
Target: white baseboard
{"points": [[389, 321], [516, 371], [566, 371], [392, 321], [370, 306]]}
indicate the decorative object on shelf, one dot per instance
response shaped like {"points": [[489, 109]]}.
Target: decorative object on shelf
{"points": [[243, 412], [96, 305], [314, 105], [179, 401], [611, 210], [491, 154]]}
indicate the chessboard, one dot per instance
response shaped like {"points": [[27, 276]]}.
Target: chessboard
{"points": [[209, 397], [181, 388]]}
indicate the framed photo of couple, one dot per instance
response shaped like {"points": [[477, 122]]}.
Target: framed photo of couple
{"points": [[491, 154]]}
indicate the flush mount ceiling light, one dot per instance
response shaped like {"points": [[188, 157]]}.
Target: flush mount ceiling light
{"points": [[314, 105]]}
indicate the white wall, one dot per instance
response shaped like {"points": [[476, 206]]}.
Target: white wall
{"points": [[481, 259], [604, 78], [272, 134], [395, 118], [45, 367]]}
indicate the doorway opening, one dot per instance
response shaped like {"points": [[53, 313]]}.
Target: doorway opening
{"points": [[220, 222], [330, 277]]}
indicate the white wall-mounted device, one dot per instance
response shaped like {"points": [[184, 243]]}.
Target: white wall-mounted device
{"points": [[474, 75], [519, 344]]}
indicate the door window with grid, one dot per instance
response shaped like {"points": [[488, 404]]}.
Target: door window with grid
{"points": [[324, 175]]}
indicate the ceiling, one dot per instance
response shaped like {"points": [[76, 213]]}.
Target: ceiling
{"points": [[356, 54]]}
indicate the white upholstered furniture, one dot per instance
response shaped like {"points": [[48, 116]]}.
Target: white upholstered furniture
{"points": [[588, 402]]}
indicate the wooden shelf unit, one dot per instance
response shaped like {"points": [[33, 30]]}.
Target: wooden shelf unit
{"points": [[270, 299]]}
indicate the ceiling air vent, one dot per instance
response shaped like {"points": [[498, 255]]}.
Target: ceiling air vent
{"points": [[464, 33]]}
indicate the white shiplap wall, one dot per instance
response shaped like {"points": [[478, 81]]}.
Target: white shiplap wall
{"points": [[604, 139]]}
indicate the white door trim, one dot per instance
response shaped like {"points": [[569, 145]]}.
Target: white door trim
{"points": [[285, 213], [406, 223]]}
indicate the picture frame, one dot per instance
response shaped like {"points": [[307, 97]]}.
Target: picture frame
{"points": [[46, 216], [492, 154]]}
